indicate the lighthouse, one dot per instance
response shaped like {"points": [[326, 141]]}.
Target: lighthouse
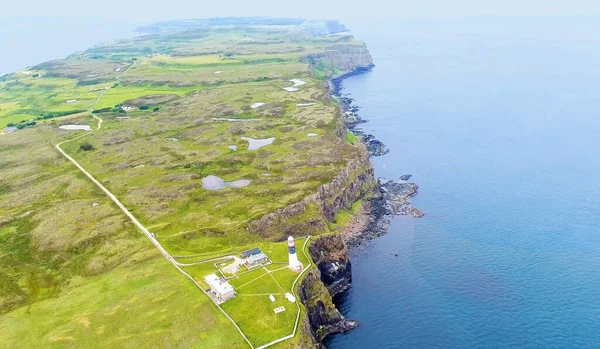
{"points": [[294, 263]]}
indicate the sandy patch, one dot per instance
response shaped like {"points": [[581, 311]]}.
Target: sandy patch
{"points": [[233, 267], [83, 321]]}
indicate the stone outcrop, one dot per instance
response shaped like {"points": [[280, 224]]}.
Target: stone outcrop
{"points": [[330, 255], [323, 317], [310, 216], [348, 59]]}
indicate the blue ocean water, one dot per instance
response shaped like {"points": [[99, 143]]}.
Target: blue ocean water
{"points": [[499, 122]]}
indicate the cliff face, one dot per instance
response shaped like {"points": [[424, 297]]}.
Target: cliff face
{"points": [[330, 255], [340, 59], [333, 272], [323, 317], [310, 216]]}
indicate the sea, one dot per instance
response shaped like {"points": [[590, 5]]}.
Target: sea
{"points": [[27, 41], [498, 121]]}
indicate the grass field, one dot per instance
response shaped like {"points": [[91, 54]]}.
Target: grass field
{"points": [[74, 271], [251, 308], [75, 275]]}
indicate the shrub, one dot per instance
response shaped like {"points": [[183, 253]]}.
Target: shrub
{"points": [[86, 146], [10, 124], [351, 138], [143, 107], [20, 126], [156, 109]]}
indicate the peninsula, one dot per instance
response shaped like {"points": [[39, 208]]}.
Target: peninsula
{"points": [[184, 188]]}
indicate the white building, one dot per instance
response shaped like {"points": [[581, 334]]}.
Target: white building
{"points": [[220, 289]]}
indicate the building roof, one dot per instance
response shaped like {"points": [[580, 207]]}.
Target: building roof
{"points": [[257, 257], [251, 252], [215, 283]]}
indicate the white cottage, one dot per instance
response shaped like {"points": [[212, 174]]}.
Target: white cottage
{"points": [[220, 289]]}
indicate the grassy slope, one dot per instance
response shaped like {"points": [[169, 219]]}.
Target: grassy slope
{"points": [[146, 305], [81, 276], [76, 275]]}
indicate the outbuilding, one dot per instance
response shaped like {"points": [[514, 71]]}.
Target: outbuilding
{"points": [[220, 289], [251, 252], [256, 259]]}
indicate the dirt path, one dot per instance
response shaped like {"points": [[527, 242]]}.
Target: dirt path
{"points": [[164, 252], [139, 225]]}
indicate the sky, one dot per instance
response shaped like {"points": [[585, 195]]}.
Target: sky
{"points": [[341, 9]]}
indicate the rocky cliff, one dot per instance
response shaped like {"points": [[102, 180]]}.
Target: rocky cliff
{"points": [[333, 272], [340, 59], [330, 255], [323, 317], [310, 216]]}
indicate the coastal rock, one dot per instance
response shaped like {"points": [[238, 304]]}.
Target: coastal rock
{"points": [[391, 198], [397, 196], [416, 212], [376, 147], [330, 255], [310, 215], [323, 317], [405, 177]]}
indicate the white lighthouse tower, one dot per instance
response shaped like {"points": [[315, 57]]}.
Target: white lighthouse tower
{"points": [[294, 262]]}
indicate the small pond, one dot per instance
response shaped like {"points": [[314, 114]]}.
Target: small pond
{"points": [[76, 127], [216, 183], [254, 144]]}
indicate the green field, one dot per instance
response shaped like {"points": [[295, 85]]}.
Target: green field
{"points": [[74, 270], [251, 308]]}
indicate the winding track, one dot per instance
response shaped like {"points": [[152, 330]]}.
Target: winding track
{"points": [[162, 250]]}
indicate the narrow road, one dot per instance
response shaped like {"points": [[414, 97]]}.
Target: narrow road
{"points": [[122, 207], [164, 252]]}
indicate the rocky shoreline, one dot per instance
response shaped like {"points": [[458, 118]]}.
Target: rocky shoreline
{"points": [[371, 220], [331, 252], [350, 113], [390, 197]]}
